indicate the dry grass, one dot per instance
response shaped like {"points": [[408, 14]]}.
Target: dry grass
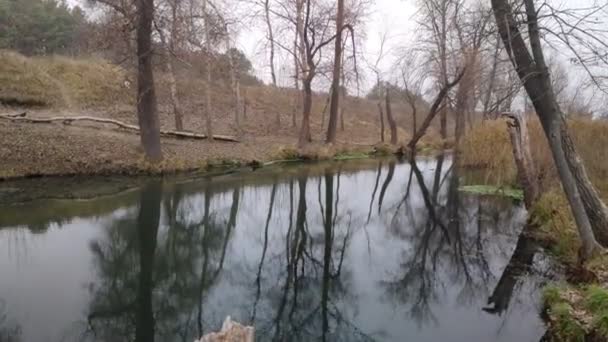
{"points": [[60, 82], [88, 82], [487, 147], [22, 83]]}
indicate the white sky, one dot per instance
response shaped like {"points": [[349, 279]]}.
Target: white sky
{"points": [[393, 17]]}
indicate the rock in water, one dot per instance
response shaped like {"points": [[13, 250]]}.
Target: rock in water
{"points": [[231, 332]]}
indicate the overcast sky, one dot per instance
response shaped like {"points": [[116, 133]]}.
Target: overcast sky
{"points": [[391, 16]]}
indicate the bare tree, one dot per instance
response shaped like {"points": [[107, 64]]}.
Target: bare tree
{"points": [[413, 77], [169, 48], [534, 74], [147, 112], [271, 42], [379, 82], [437, 106], [208, 56], [332, 126], [391, 120], [313, 38]]}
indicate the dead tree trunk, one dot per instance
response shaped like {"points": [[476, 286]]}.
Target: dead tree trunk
{"points": [[533, 72], [435, 108], [526, 172], [208, 120], [391, 120], [334, 108], [147, 112]]}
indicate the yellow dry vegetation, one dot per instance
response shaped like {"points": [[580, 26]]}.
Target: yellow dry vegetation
{"points": [[60, 81], [487, 148]]}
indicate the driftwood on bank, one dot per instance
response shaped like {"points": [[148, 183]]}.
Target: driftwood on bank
{"points": [[21, 117]]}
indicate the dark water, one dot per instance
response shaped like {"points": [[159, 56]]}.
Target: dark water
{"points": [[366, 251]]}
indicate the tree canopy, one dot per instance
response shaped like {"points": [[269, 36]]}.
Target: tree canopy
{"points": [[39, 26]]}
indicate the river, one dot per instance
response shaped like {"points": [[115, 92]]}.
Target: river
{"points": [[375, 250]]}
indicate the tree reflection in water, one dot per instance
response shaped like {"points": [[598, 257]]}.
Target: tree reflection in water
{"points": [[449, 248], [282, 256]]}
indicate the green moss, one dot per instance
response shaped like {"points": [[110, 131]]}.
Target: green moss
{"points": [[513, 193], [551, 295], [596, 300], [566, 327], [347, 155], [600, 323]]}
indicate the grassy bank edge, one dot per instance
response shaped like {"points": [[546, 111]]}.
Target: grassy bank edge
{"points": [[215, 166]]}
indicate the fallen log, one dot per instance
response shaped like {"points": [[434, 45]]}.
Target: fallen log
{"points": [[66, 120]]}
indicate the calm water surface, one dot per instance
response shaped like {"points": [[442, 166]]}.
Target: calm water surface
{"points": [[355, 251]]}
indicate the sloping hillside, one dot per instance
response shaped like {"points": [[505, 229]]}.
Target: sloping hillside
{"points": [[52, 86]]}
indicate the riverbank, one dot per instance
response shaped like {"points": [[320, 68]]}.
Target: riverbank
{"points": [[39, 150], [571, 314]]}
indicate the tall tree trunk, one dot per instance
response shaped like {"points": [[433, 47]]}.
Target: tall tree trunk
{"points": [[147, 112], [297, 50], [332, 126], [414, 118], [297, 96], [594, 206], [490, 90], [236, 90], [208, 121], [391, 120], [533, 72], [305, 136], [342, 103], [460, 110], [324, 111], [169, 49], [590, 245], [381, 118], [175, 103], [271, 41]]}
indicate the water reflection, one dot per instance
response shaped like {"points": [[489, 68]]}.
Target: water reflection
{"points": [[388, 251]]}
